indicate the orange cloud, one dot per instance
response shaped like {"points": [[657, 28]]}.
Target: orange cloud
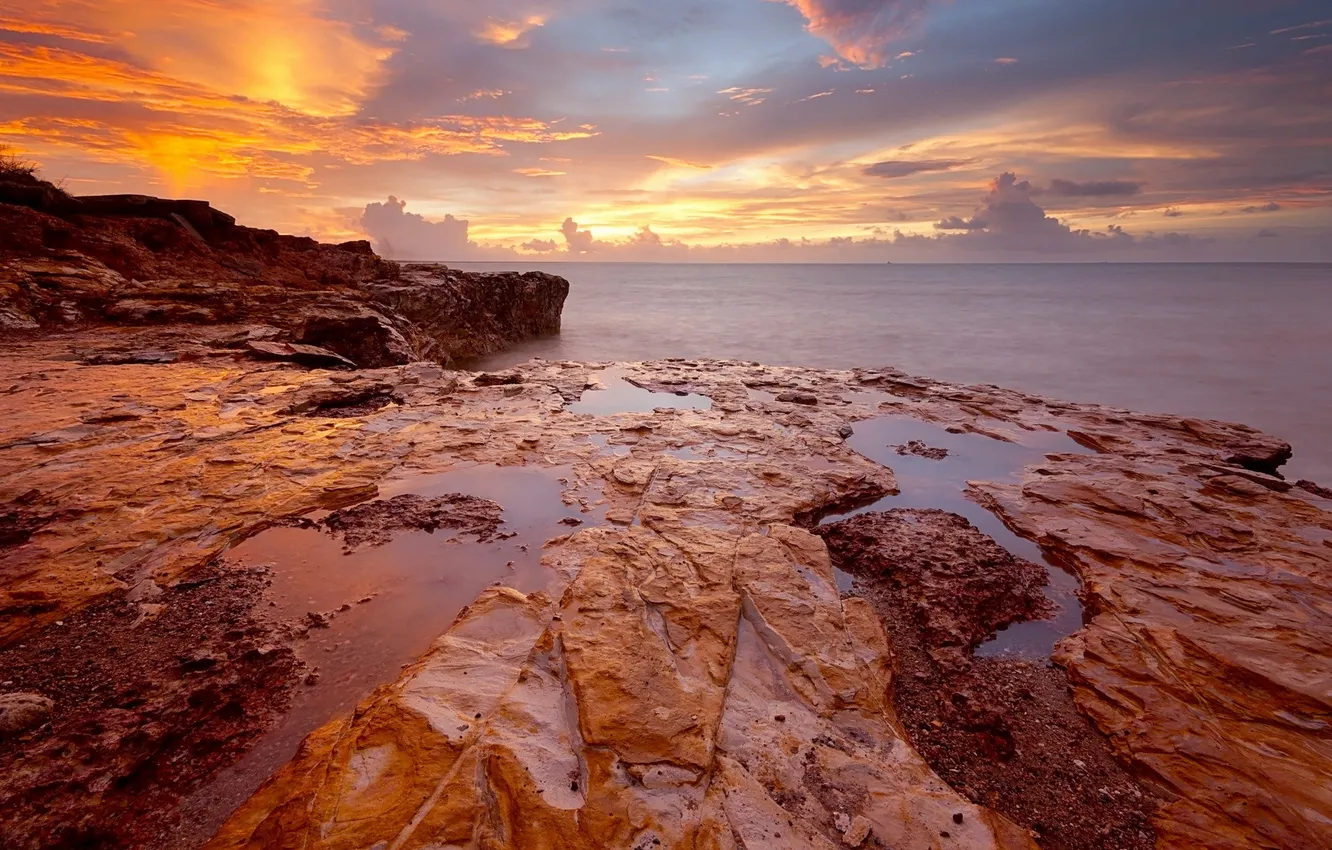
{"points": [[57, 30], [679, 163], [288, 52], [504, 33], [860, 32], [192, 134]]}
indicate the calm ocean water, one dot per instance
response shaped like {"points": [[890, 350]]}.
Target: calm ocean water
{"points": [[1245, 343]]}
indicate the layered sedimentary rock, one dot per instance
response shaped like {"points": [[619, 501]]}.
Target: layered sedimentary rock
{"points": [[688, 673], [129, 260]]}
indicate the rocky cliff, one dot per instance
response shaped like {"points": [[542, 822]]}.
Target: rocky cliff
{"points": [[128, 260]]}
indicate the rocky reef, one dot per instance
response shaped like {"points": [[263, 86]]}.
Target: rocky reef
{"points": [[256, 597]]}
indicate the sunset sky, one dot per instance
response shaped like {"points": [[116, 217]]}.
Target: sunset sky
{"points": [[700, 130]]}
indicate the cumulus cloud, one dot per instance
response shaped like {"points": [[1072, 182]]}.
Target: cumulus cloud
{"points": [[1271, 206], [579, 241], [402, 235], [1094, 189], [861, 30], [1010, 214], [893, 168]]}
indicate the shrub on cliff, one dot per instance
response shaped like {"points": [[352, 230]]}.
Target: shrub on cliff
{"points": [[12, 167], [20, 185]]}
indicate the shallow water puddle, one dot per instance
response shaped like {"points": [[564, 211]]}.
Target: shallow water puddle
{"points": [[620, 396], [388, 603], [942, 484]]}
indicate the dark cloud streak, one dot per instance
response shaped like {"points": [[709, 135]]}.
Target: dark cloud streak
{"points": [[1095, 189], [893, 168]]}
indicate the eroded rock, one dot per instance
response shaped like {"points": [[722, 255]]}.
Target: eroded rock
{"points": [[375, 523], [650, 673]]}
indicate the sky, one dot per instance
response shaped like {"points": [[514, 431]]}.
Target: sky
{"points": [[700, 130]]}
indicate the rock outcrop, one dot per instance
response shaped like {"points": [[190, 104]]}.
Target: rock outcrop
{"points": [[684, 672], [129, 260]]}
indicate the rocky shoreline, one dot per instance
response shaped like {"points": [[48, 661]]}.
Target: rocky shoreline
{"points": [[630, 611]]}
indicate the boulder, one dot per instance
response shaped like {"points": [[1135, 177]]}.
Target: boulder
{"points": [[456, 316]]}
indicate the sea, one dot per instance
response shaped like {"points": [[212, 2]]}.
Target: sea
{"points": [[1247, 343]]}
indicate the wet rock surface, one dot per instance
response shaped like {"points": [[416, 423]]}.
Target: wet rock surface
{"points": [[918, 448], [1004, 732], [682, 667]]}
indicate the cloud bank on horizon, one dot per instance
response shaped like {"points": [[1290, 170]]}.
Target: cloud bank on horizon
{"points": [[706, 130]]}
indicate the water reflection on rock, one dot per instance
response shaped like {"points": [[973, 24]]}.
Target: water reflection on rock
{"points": [[942, 483]]}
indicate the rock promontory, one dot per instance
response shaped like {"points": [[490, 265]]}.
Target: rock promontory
{"points": [[70, 263]]}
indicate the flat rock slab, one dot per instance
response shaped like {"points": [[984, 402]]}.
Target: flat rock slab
{"points": [[690, 674], [306, 355]]}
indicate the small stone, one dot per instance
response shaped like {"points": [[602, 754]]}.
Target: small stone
{"points": [[21, 712], [958, 818], [317, 620], [856, 834], [312, 678]]}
